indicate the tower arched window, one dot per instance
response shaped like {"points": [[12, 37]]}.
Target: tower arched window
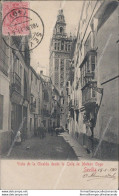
{"points": [[62, 45], [58, 46], [68, 47], [61, 29], [62, 65], [55, 46]]}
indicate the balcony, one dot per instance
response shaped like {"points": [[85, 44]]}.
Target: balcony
{"points": [[33, 107], [89, 95], [76, 104], [89, 75], [15, 83], [87, 68], [71, 105], [54, 114], [45, 113]]}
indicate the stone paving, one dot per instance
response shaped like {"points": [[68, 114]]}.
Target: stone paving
{"points": [[79, 150], [49, 148]]}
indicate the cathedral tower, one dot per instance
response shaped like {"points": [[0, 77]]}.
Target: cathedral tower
{"points": [[60, 51]]}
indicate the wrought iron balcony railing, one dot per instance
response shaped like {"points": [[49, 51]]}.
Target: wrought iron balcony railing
{"points": [[15, 82]]}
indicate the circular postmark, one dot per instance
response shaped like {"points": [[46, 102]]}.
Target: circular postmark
{"points": [[22, 29]]}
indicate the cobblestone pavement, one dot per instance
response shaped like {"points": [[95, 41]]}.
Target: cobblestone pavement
{"points": [[79, 150], [51, 147]]}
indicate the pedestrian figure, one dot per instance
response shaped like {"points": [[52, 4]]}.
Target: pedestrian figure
{"points": [[40, 132], [18, 138], [57, 131], [52, 130], [36, 132], [49, 130], [44, 131], [92, 125]]}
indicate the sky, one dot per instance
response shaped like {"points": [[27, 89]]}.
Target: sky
{"points": [[48, 11]]}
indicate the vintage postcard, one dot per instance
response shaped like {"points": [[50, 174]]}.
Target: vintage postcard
{"points": [[59, 81]]}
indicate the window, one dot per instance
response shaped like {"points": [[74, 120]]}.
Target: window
{"points": [[56, 78], [62, 45], [55, 46], [62, 61], [61, 29], [88, 70], [61, 84], [66, 47], [39, 103], [36, 81], [62, 65], [93, 93], [56, 64], [93, 62], [69, 47], [62, 76], [31, 99], [58, 46], [46, 96], [56, 67], [67, 64], [1, 111], [30, 124], [62, 68]]}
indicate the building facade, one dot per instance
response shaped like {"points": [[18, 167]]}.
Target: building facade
{"points": [[5, 134], [55, 108], [34, 113], [19, 87], [93, 112], [60, 49]]}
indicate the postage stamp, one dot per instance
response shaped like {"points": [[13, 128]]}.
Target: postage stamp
{"points": [[20, 20], [15, 18]]}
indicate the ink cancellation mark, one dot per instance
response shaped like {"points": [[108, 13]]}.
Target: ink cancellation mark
{"points": [[21, 21]]}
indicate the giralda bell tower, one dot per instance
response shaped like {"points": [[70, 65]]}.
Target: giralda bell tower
{"points": [[60, 49]]}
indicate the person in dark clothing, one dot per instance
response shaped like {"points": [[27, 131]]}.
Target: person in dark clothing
{"points": [[92, 125]]}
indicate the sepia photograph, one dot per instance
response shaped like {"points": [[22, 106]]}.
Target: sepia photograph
{"points": [[59, 83]]}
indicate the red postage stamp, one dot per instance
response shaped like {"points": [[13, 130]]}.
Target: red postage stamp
{"points": [[15, 18]]}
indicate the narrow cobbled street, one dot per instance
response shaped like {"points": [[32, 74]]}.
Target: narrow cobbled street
{"points": [[50, 147]]}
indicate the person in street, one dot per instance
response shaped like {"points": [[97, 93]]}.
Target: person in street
{"points": [[18, 138], [42, 131], [92, 124], [57, 130], [52, 130]]}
